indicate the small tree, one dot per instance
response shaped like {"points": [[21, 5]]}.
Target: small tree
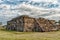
{"points": [[59, 22], [0, 23]]}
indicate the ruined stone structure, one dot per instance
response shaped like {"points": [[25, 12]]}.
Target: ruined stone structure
{"points": [[47, 25], [28, 24]]}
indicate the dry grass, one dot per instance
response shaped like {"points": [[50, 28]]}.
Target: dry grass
{"points": [[13, 35]]}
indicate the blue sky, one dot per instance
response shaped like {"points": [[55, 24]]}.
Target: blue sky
{"points": [[51, 3], [43, 3], [6, 5]]}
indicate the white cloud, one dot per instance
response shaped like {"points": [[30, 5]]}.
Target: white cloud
{"points": [[53, 1], [1, 1], [44, 0], [24, 10], [4, 6]]}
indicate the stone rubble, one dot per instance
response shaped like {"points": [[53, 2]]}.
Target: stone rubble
{"points": [[25, 23]]}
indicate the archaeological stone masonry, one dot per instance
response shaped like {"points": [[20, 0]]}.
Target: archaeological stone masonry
{"points": [[25, 23]]}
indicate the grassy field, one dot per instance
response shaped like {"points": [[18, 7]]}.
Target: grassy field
{"points": [[13, 35]]}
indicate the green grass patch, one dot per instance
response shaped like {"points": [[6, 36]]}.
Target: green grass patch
{"points": [[14, 35]]}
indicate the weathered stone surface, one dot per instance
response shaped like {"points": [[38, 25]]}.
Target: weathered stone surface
{"points": [[58, 26], [29, 24], [46, 25], [15, 24]]}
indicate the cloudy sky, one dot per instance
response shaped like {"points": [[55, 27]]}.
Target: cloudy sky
{"points": [[37, 8]]}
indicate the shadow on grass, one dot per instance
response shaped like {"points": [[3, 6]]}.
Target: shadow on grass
{"points": [[16, 32]]}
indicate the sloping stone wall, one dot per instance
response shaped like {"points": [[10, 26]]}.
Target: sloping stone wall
{"points": [[29, 24], [15, 24], [46, 25]]}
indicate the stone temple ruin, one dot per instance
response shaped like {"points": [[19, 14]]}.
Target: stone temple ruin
{"points": [[29, 24]]}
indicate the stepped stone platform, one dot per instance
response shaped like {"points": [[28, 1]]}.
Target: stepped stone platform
{"points": [[25, 23]]}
